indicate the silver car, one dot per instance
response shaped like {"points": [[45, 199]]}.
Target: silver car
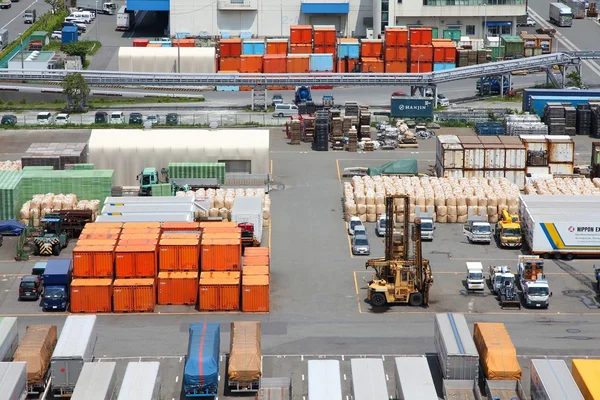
{"points": [[360, 245]]}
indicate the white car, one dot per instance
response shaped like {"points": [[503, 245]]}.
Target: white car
{"points": [[154, 118], [354, 221], [380, 227], [443, 100], [62, 119], [56, 35]]}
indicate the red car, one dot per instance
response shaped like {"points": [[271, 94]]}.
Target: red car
{"points": [[399, 93]]}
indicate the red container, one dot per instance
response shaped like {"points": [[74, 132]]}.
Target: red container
{"points": [[324, 36], [371, 48], [275, 63], [93, 261], [251, 63], [301, 34], [342, 66], [298, 63], [301, 49], [180, 226], [219, 291], [179, 288], [277, 46], [255, 293], [230, 48], [396, 37], [140, 42], [396, 67], [179, 255], [325, 50], [421, 54], [421, 36], [221, 255], [444, 51], [374, 65], [230, 63], [136, 261], [396, 53], [257, 251], [134, 295], [421, 67], [91, 295]]}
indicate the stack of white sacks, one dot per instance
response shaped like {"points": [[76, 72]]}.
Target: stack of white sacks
{"points": [[452, 199], [221, 201], [10, 165], [42, 204], [558, 186]]}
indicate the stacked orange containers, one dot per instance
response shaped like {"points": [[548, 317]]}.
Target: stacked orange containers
{"points": [[396, 50], [444, 51], [277, 46], [219, 291], [251, 63], [184, 43], [421, 50], [298, 63], [301, 37], [256, 280], [230, 51], [371, 55], [324, 40]]}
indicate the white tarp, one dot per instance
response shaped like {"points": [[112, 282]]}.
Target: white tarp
{"points": [[200, 60]]}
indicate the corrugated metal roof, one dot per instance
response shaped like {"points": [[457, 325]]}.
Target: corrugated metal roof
{"points": [[97, 381], [324, 380], [368, 379], [75, 336], [415, 378], [457, 337], [140, 381], [557, 379]]}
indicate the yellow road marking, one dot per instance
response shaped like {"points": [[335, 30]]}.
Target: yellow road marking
{"points": [[349, 241], [355, 282], [337, 163], [271, 168]]}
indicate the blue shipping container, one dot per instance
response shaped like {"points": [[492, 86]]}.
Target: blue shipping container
{"points": [[227, 88], [201, 372], [58, 272], [253, 47], [411, 107], [351, 50], [443, 66], [539, 102], [321, 62], [69, 34], [561, 93]]}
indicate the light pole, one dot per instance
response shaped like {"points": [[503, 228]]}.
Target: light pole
{"points": [[485, 21], [22, 59], [97, 20], [281, 17], [178, 55]]}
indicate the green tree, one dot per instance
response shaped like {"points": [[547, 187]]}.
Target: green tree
{"points": [[574, 79], [55, 4], [76, 89], [77, 49]]}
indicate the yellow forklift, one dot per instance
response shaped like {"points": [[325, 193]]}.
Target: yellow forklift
{"points": [[399, 277]]}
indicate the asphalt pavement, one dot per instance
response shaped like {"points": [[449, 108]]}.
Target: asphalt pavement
{"points": [[12, 18]]}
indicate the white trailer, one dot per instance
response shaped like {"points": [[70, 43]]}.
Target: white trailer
{"points": [[9, 338], [324, 381], [140, 208], [125, 19], [175, 217], [456, 351], [413, 379], [552, 380], [368, 379], [141, 381], [13, 380], [560, 14], [104, 7], [97, 381], [248, 209], [75, 346]]}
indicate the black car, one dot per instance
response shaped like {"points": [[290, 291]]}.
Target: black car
{"points": [[31, 287], [101, 117], [136, 119], [172, 119], [9, 119]]}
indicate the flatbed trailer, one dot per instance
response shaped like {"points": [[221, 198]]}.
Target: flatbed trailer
{"points": [[505, 390], [461, 390]]}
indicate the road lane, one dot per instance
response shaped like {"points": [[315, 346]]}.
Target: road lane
{"points": [[12, 18]]}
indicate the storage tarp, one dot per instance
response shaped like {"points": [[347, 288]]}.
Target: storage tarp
{"points": [[244, 354], [202, 363], [36, 350], [407, 166], [497, 352], [11, 227]]}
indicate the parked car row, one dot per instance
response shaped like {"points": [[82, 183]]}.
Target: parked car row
{"points": [[79, 19], [360, 239], [135, 118]]}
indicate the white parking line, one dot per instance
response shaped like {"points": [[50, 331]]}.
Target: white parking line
{"points": [[176, 379]]}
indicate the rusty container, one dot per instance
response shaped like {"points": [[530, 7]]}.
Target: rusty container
{"points": [[180, 226], [230, 47], [257, 251], [275, 63], [256, 270], [136, 261], [301, 34], [134, 295], [93, 261], [220, 255], [256, 260], [179, 255], [255, 293], [219, 291], [178, 288], [91, 295], [251, 63], [142, 225], [277, 46]]}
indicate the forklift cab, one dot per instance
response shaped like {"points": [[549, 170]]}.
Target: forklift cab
{"points": [[52, 226]]}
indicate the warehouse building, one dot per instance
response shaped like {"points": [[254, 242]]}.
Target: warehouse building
{"points": [[129, 152], [352, 18]]}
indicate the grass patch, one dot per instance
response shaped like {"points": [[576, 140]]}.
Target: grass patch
{"points": [[94, 104], [133, 126]]}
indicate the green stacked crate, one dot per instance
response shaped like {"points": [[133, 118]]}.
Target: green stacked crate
{"points": [[38, 167], [197, 170], [161, 189], [79, 167], [10, 194]]}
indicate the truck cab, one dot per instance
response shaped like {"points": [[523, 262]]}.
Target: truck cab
{"points": [[475, 279], [56, 298], [147, 178], [57, 281], [427, 228], [478, 231], [508, 230], [537, 293], [497, 273]]}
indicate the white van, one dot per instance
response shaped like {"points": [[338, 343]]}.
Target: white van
{"points": [[117, 117], [85, 16], [45, 118], [285, 110], [475, 280]]}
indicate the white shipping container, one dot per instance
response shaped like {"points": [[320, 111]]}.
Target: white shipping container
{"points": [[495, 157], [473, 173], [449, 172], [449, 152], [535, 142], [248, 209], [13, 380], [368, 379], [324, 381], [97, 381], [413, 379], [537, 170], [517, 177], [141, 381], [456, 351], [474, 156], [175, 217], [9, 338], [117, 201], [552, 380], [156, 208], [515, 156], [561, 168], [561, 149], [493, 173]]}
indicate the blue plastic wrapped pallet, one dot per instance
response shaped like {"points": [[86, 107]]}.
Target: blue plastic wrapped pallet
{"points": [[489, 128], [253, 47], [321, 62], [201, 372]]}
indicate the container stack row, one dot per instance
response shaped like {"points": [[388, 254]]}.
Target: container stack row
{"points": [[256, 277], [396, 50], [549, 154], [536, 44]]}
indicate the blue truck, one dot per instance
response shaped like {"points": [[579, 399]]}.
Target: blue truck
{"points": [[490, 85], [302, 94], [57, 281], [201, 371]]}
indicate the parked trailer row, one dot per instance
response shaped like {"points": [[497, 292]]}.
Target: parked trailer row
{"points": [[413, 379], [13, 380], [552, 380], [9, 338], [97, 381], [368, 379], [324, 380], [141, 381], [455, 347]]}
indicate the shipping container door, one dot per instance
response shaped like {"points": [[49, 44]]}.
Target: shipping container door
{"points": [[327, 20], [237, 166]]}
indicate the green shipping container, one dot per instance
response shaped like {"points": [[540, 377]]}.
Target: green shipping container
{"points": [[10, 194], [452, 34], [197, 170], [161, 189], [434, 32], [514, 46], [497, 52], [79, 167]]}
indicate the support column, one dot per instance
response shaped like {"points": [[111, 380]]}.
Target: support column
{"points": [[376, 18]]}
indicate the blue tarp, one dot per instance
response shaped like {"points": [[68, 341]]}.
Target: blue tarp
{"points": [[11, 227], [202, 363]]}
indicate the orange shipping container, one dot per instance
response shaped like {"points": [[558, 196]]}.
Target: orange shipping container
{"points": [[277, 46], [140, 231], [257, 251], [142, 225], [230, 48], [325, 50], [396, 37], [154, 45], [342, 66], [324, 35], [181, 235], [371, 48], [298, 63], [137, 242], [444, 51], [251, 63], [275, 63], [180, 226], [256, 260], [103, 225], [136, 261], [205, 224], [372, 65], [301, 34], [110, 235], [126, 235], [91, 295], [221, 255], [421, 53], [222, 229], [98, 242], [134, 295], [178, 255], [255, 270], [301, 49], [396, 53], [178, 288], [93, 261], [219, 291], [229, 63], [421, 68], [396, 67], [222, 235], [255, 293], [421, 36], [184, 42]]}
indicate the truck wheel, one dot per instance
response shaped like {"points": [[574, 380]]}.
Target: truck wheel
{"points": [[280, 115], [556, 256], [569, 256], [378, 300], [546, 255], [415, 299], [56, 250]]}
